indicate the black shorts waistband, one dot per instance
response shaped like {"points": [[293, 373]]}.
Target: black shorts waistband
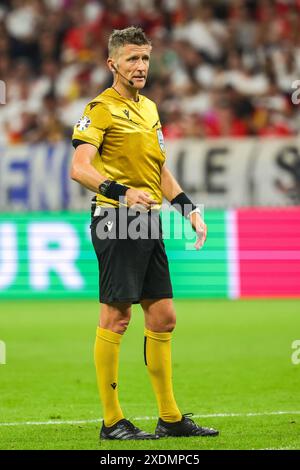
{"points": [[97, 210]]}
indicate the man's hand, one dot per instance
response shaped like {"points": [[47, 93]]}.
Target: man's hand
{"points": [[200, 228], [140, 198]]}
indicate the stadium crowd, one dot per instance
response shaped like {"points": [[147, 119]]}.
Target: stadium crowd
{"points": [[219, 68]]}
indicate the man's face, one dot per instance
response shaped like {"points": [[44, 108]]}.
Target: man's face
{"points": [[133, 62]]}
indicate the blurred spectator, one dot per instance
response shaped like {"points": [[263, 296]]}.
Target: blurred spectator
{"points": [[219, 68]]}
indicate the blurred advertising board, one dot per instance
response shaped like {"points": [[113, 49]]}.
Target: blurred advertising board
{"points": [[219, 173], [248, 253]]}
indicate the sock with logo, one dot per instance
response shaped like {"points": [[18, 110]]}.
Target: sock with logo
{"points": [[106, 355], [157, 353]]}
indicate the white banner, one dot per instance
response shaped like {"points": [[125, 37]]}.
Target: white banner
{"points": [[213, 173], [276, 173], [36, 178], [218, 173], [240, 172]]}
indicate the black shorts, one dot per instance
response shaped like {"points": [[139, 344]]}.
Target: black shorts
{"points": [[131, 254]]}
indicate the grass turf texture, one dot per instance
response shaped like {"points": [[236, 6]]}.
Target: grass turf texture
{"points": [[229, 357]]}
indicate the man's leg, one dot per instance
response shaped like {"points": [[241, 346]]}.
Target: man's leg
{"points": [[160, 320], [114, 319]]}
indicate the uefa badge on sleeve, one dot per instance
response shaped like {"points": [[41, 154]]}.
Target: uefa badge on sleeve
{"points": [[83, 123], [161, 139]]}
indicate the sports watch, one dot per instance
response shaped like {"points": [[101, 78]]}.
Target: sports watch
{"points": [[104, 187]]}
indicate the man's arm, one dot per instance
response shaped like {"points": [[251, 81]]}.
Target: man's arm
{"points": [[84, 173], [82, 169], [171, 190], [169, 186]]}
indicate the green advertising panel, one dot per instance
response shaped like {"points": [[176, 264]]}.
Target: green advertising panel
{"points": [[201, 273], [51, 255]]}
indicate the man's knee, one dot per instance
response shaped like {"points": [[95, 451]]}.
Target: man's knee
{"points": [[115, 317], [163, 323], [169, 322], [160, 315], [121, 325]]}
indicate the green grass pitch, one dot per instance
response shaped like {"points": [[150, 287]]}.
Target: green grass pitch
{"points": [[232, 360]]}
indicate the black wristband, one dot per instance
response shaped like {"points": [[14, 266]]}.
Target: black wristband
{"points": [[183, 204], [112, 189]]}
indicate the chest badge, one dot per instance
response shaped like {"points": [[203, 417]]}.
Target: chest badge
{"points": [[126, 112], [160, 138]]}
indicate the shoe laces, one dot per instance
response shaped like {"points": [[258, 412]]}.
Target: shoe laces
{"points": [[129, 425], [188, 419]]}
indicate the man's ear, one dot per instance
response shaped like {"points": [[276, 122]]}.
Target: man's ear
{"points": [[111, 65]]}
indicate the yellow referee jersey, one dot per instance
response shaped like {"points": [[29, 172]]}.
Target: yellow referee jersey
{"points": [[129, 140]]}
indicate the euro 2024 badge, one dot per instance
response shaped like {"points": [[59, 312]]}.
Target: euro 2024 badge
{"points": [[83, 123]]}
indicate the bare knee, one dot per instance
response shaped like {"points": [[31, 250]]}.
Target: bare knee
{"points": [[169, 322], [160, 316], [121, 326], [115, 317]]}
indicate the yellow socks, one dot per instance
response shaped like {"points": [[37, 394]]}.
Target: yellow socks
{"points": [[158, 361], [106, 354]]}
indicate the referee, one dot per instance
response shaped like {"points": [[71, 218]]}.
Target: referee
{"points": [[120, 156]]}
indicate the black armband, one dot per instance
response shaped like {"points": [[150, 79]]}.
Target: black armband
{"points": [[77, 142], [183, 204], [112, 190]]}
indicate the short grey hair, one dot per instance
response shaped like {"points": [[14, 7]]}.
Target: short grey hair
{"points": [[130, 35]]}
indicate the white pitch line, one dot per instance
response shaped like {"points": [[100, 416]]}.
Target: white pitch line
{"points": [[147, 418]]}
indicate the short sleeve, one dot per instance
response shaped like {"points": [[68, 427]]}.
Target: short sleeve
{"points": [[92, 125]]}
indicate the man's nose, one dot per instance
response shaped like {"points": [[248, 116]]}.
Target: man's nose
{"points": [[141, 66]]}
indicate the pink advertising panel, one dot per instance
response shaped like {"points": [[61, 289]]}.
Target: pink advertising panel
{"points": [[268, 252]]}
